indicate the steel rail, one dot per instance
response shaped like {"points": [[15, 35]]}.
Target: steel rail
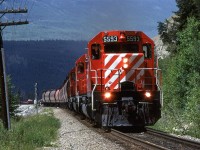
{"points": [[137, 141], [181, 140]]}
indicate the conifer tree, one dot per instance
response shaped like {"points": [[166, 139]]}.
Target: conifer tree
{"points": [[169, 28], [13, 97], [187, 9]]}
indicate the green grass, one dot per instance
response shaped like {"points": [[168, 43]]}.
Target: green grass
{"points": [[178, 124], [30, 133]]}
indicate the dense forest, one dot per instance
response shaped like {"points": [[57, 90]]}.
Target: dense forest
{"points": [[181, 70], [44, 62]]}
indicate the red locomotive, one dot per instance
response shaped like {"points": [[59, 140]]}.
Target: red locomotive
{"points": [[116, 83]]}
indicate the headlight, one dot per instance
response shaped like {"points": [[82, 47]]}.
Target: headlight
{"points": [[125, 60], [107, 95], [147, 94], [125, 66]]}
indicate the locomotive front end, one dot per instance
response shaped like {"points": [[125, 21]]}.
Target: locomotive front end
{"points": [[127, 84]]}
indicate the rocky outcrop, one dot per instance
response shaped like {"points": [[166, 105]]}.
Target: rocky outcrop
{"points": [[160, 48]]}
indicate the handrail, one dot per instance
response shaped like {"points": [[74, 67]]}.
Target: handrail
{"points": [[156, 75], [66, 96], [92, 96], [154, 82]]}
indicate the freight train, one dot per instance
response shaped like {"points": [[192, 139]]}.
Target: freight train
{"points": [[116, 83]]}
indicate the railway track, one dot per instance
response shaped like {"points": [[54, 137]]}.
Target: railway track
{"points": [[150, 139], [136, 141], [178, 141], [156, 140]]}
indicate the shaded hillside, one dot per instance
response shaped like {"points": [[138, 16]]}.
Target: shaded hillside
{"points": [[45, 62], [82, 19]]}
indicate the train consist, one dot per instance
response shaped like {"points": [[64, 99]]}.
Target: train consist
{"points": [[115, 83]]}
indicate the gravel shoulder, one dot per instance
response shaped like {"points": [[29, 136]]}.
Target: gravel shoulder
{"points": [[73, 135]]}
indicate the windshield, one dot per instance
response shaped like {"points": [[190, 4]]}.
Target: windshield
{"points": [[121, 48]]}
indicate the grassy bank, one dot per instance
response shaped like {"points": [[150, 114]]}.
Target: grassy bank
{"points": [[30, 133]]}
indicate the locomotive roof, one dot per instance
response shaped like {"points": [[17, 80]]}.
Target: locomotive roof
{"points": [[101, 34]]}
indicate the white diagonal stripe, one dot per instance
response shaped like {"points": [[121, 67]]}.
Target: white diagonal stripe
{"points": [[108, 57], [132, 69], [114, 64]]}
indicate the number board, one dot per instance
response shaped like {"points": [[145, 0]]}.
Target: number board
{"points": [[110, 39], [132, 38], [115, 39]]}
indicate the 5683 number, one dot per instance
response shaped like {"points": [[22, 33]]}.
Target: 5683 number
{"points": [[110, 39]]}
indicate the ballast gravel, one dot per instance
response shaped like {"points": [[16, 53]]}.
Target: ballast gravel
{"points": [[73, 135]]}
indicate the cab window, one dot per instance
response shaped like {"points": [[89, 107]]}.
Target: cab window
{"points": [[80, 67], [147, 50], [121, 48], [95, 48]]}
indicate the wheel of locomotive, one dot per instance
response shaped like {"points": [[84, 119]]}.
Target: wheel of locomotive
{"points": [[106, 129], [95, 124], [82, 117]]}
